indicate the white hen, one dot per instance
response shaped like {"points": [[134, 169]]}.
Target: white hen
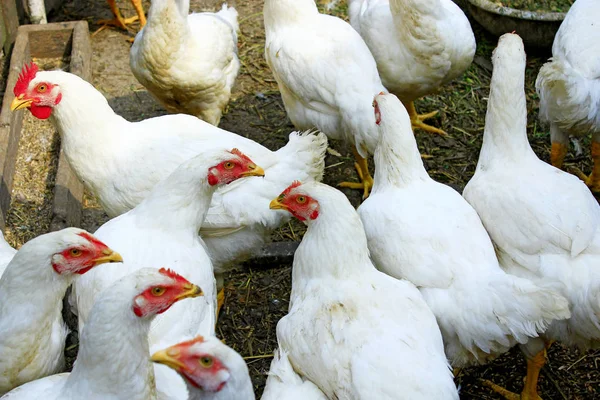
{"points": [[32, 330], [121, 161], [326, 75], [284, 383], [188, 62], [7, 252], [162, 231], [113, 362], [545, 223], [569, 85], [425, 232], [212, 370], [353, 331], [419, 45]]}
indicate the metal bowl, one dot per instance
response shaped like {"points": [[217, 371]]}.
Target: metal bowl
{"points": [[537, 29]]}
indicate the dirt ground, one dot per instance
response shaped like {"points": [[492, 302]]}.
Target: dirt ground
{"points": [[257, 298]]}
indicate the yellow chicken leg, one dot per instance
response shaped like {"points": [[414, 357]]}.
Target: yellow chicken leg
{"points": [[137, 4], [593, 180], [220, 301], [557, 154], [118, 19], [416, 120], [534, 366], [366, 180]]}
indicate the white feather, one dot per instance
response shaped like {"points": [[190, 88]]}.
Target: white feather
{"points": [[543, 222], [188, 62], [425, 232]]}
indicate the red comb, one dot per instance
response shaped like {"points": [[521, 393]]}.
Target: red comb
{"points": [[287, 191], [173, 275], [92, 239], [240, 154], [27, 75], [191, 342]]}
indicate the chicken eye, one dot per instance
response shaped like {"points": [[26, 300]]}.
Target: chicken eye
{"points": [[228, 165], [75, 252], [158, 291], [41, 88], [301, 199], [206, 361]]}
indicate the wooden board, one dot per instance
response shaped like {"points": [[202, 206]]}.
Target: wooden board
{"points": [[273, 255], [44, 41], [8, 24]]}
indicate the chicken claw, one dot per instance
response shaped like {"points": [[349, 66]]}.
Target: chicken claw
{"points": [[508, 395], [416, 120], [593, 180], [118, 20], [534, 366]]}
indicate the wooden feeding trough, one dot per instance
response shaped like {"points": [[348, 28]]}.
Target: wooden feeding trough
{"points": [[66, 40]]}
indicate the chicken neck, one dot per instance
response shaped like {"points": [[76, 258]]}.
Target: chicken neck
{"points": [[87, 126], [397, 156], [181, 201], [505, 134], [283, 13], [114, 355], [30, 297], [335, 244]]}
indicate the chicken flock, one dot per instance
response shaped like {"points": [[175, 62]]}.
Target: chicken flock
{"points": [[422, 281]]}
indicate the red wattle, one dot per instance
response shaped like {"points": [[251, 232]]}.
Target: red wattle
{"points": [[212, 180], [40, 112]]}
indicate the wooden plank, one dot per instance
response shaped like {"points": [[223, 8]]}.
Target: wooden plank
{"points": [[68, 190], [3, 33], [50, 40], [10, 21], [272, 255], [10, 126]]}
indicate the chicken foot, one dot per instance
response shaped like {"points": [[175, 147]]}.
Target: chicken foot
{"points": [[220, 301], [118, 19], [366, 180], [416, 120], [534, 366], [593, 180]]}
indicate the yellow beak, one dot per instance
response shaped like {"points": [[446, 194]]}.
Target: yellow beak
{"points": [[168, 358], [19, 103], [108, 256], [191, 290], [276, 205], [253, 170]]}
